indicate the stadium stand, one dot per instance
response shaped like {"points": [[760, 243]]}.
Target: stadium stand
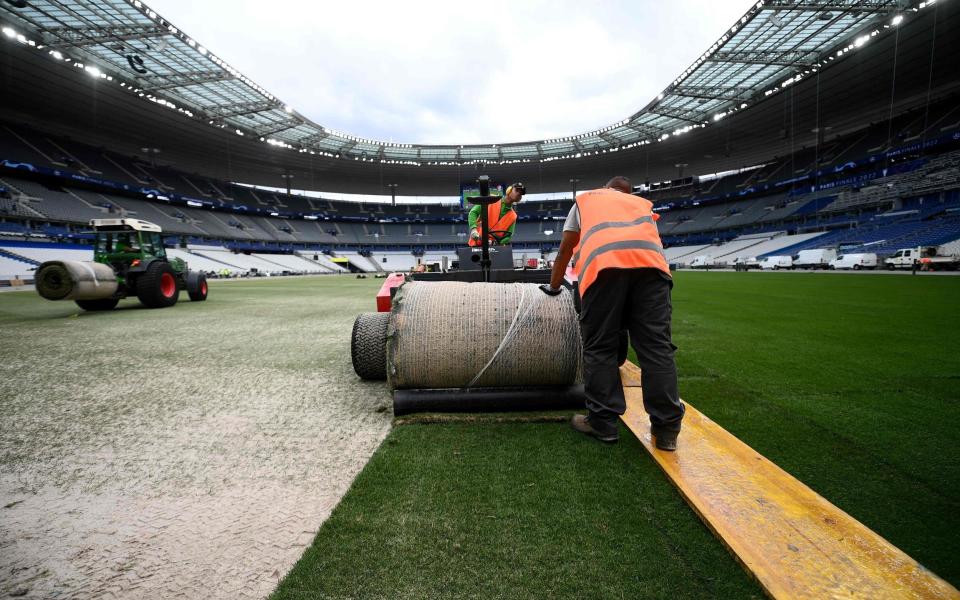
{"points": [[876, 187], [320, 259], [11, 268], [38, 252], [395, 261]]}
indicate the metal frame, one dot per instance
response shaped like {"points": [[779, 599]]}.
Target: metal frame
{"points": [[774, 44]]}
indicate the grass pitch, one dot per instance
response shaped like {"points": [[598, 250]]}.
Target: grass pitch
{"points": [[849, 383]]}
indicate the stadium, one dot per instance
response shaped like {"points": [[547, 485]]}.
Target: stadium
{"points": [[324, 423]]}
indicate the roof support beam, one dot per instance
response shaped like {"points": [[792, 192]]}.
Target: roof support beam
{"points": [[862, 6], [609, 139], [313, 138], [780, 58], [69, 37], [278, 127], [682, 115], [244, 108], [711, 92], [645, 130], [178, 80]]}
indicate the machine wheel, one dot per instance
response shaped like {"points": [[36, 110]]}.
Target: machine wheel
{"points": [[196, 286], [368, 345], [623, 347], [100, 304], [856, 267], [157, 288]]}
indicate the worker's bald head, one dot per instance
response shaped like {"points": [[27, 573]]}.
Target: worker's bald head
{"points": [[621, 184]]}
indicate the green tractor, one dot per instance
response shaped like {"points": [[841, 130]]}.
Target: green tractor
{"points": [[128, 260]]}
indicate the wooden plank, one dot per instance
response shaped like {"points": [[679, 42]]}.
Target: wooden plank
{"points": [[796, 543]]}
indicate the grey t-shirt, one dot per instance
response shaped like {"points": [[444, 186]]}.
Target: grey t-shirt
{"points": [[573, 220]]}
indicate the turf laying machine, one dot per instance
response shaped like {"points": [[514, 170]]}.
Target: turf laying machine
{"points": [[474, 340], [128, 260]]}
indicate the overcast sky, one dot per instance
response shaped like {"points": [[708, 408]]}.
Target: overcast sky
{"points": [[447, 71]]}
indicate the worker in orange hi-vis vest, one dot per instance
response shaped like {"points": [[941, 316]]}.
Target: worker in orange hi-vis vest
{"points": [[501, 218], [624, 283]]}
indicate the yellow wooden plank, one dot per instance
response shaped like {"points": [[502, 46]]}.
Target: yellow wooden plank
{"points": [[796, 543]]}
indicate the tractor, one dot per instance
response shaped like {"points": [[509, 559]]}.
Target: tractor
{"points": [[128, 260]]}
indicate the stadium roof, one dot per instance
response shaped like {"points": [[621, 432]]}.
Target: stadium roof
{"points": [[777, 43]]}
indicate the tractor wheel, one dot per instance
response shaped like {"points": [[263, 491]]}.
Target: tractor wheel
{"points": [[623, 347], [197, 286], [157, 288], [100, 304], [368, 345]]}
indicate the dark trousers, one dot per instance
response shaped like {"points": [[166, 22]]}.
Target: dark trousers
{"points": [[637, 300]]}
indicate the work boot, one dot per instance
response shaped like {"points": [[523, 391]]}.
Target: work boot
{"points": [[665, 440], [581, 424]]}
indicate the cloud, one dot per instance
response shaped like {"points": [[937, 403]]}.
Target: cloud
{"points": [[452, 72]]}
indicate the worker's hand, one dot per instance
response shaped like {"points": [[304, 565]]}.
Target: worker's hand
{"points": [[550, 291], [474, 235]]}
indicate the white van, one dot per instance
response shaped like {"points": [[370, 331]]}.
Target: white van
{"points": [[814, 259], [747, 262], [776, 263], [856, 261], [704, 261]]}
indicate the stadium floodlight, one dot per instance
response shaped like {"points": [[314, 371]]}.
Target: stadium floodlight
{"points": [[194, 203], [9, 32], [897, 20]]}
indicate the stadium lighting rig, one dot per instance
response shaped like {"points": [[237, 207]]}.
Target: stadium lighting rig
{"points": [[179, 74]]}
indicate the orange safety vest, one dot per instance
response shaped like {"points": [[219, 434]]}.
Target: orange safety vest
{"points": [[617, 231], [499, 226]]}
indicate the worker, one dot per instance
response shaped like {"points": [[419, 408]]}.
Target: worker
{"points": [[501, 217], [624, 283], [125, 244]]}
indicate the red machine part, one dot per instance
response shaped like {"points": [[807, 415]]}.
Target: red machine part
{"points": [[384, 296]]}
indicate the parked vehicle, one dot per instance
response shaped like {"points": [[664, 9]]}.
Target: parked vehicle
{"points": [[128, 260], [704, 261], [855, 261], [814, 259], [927, 258], [745, 263], [775, 263]]}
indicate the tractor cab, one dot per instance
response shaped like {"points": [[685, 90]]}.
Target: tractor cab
{"points": [[122, 243]]}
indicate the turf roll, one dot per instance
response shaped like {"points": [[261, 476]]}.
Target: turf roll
{"points": [[75, 280], [461, 335]]}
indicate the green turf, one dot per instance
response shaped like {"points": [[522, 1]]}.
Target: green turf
{"points": [[848, 382], [523, 510]]}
